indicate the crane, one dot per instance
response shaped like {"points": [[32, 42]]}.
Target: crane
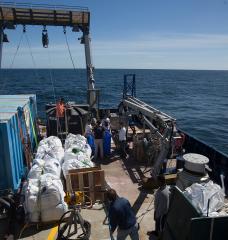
{"points": [[161, 125]]}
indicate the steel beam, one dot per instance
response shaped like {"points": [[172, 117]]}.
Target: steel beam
{"points": [[89, 66]]}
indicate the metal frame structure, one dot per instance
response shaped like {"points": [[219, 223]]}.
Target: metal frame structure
{"points": [[78, 18], [149, 115]]}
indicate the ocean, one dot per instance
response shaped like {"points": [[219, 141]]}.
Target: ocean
{"points": [[197, 99]]}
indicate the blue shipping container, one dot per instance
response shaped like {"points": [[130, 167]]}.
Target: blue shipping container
{"points": [[17, 125]]}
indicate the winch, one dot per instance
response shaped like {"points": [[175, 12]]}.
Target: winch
{"points": [[194, 170], [71, 224], [74, 198]]}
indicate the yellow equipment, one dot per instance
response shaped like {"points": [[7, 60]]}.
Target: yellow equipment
{"points": [[74, 198], [72, 225]]}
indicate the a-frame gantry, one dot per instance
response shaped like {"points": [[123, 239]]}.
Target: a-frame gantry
{"points": [[78, 18]]}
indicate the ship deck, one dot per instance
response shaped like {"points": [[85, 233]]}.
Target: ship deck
{"points": [[125, 177]]}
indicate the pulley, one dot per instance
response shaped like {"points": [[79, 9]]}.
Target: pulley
{"points": [[5, 38], [64, 30], [45, 40]]}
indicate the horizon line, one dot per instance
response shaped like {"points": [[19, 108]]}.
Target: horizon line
{"points": [[165, 69]]}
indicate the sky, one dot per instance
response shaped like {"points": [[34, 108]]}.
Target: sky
{"points": [[132, 34]]}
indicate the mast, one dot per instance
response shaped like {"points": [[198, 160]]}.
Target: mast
{"points": [[90, 69]]}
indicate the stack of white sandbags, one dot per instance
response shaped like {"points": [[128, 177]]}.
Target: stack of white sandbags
{"points": [[77, 153], [44, 195]]}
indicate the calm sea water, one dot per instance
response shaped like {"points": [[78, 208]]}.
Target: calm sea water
{"points": [[197, 99]]}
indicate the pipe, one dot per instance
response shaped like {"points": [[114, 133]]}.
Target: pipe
{"points": [[139, 102]]}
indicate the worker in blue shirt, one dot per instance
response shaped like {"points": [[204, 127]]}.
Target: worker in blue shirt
{"points": [[121, 215]]}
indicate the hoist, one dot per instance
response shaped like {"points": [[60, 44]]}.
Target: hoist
{"points": [[45, 39]]}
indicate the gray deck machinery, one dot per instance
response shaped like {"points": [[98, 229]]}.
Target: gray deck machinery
{"points": [[162, 126]]}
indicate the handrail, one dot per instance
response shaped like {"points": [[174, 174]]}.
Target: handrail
{"points": [[46, 6]]}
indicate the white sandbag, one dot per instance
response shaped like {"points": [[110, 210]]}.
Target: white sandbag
{"points": [[59, 154], [53, 166], [34, 217], [31, 204], [76, 163], [51, 192], [74, 151], [38, 161], [46, 152], [53, 141], [31, 190], [42, 151], [54, 214], [74, 140], [41, 166], [199, 195], [37, 169], [50, 147]]}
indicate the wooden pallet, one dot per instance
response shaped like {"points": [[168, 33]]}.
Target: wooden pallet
{"points": [[90, 181], [80, 170]]}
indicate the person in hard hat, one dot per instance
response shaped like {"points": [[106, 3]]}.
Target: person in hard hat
{"points": [[122, 217], [60, 114]]}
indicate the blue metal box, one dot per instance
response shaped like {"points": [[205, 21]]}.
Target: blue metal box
{"points": [[17, 129]]}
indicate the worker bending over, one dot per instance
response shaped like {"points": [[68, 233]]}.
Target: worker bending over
{"points": [[121, 215]]}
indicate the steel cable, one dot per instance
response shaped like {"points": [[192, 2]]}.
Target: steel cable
{"points": [[69, 51], [54, 94], [33, 60], [12, 63]]}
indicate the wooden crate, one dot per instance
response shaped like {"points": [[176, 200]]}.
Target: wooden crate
{"points": [[91, 182]]}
